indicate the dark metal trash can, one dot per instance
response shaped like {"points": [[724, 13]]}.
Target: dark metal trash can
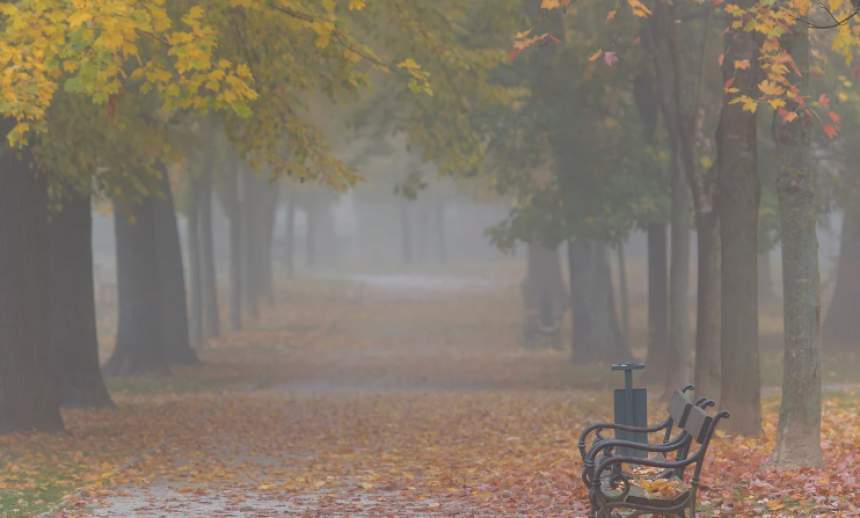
{"points": [[631, 409]]}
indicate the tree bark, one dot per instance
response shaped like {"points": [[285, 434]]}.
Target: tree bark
{"points": [[841, 325], [228, 193], [658, 304], [251, 231], [596, 333], [312, 227], [624, 293], [737, 160], [171, 276], [440, 230], [545, 298], [766, 294], [28, 395], [140, 347], [289, 234], [195, 330], [211, 307], [73, 307], [269, 212], [798, 440], [405, 232], [706, 371], [680, 358]]}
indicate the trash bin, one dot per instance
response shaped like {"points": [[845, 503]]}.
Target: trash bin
{"points": [[631, 409]]}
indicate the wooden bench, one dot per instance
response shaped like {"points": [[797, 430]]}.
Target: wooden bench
{"points": [[656, 486]]}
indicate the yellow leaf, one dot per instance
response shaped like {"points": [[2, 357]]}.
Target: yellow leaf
{"points": [[777, 103], [706, 162], [742, 64], [549, 4], [356, 5]]}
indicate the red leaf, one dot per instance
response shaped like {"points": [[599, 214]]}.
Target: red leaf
{"points": [[729, 83], [554, 39], [514, 53], [835, 117], [636, 41], [830, 130], [720, 62], [609, 58], [823, 100]]}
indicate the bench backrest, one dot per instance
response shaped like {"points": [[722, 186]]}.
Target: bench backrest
{"points": [[698, 423], [679, 408]]}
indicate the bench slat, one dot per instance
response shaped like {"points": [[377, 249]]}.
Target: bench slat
{"points": [[679, 408], [698, 423]]}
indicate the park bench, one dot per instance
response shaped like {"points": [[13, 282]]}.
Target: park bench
{"points": [[654, 485]]}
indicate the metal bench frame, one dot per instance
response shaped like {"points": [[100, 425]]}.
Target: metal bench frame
{"points": [[698, 427]]}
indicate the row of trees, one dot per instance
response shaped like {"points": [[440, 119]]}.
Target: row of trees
{"points": [[619, 121]]}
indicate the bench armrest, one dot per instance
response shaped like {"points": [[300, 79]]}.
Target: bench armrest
{"points": [[599, 427]]}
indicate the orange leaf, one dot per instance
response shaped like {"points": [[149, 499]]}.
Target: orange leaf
{"points": [[830, 130], [729, 83], [514, 53], [721, 58], [610, 15], [823, 100], [595, 56], [786, 115], [835, 117]]}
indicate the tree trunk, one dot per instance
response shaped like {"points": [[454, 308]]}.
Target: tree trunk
{"points": [[841, 325], [251, 231], [73, 307], [706, 372], [545, 298], [766, 295], [596, 333], [28, 396], [289, 234], [405, 232], [680, 361], [440, 230], [211, 308], [140, 347], [228, 193], [269, 212], [171, 276], [195, 330], [798, 440], [658, 304], [311, 237], [623, 293], [737, 162]]}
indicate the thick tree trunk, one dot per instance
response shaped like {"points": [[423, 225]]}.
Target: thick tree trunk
{"points": [[624, 293], [211, 307], [140, 347], [289, 234], [405, 232], [195, 329], [706, 372], [766, 295], [73, 307], [658, 304], [798, 441], [440, 230], [841, 325], [680, 358], [737, 160], [596, 333], [28, 395], [545, 298], [171, 276]]}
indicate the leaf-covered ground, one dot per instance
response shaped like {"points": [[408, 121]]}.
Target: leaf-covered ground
{"points": [[379, 399]]}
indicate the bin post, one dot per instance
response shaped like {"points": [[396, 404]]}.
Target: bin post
{"points": [[631, 409]]}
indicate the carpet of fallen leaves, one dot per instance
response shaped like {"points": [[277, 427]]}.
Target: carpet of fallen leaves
{"points": [[381, 400]]}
